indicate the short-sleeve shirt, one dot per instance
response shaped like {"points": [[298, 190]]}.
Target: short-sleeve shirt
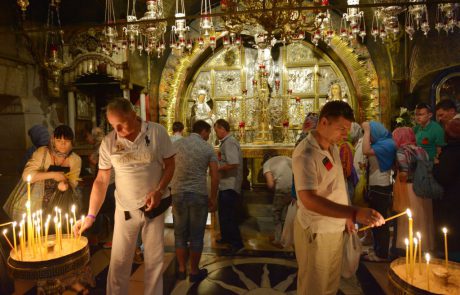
{"points": [[430, 137], [138, 164], [281, 169], [320, 170], [192, 160], [230, 153]]}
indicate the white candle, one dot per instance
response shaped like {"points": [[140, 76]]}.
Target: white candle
{"points": [[446, 253], [419, 237], [406, 241]]}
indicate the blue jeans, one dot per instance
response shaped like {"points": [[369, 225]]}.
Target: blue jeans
{"points": [[229, 229], [190, 212]]}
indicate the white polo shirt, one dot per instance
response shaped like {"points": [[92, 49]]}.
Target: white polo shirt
{"points": [[138, 165], [315, 169]]}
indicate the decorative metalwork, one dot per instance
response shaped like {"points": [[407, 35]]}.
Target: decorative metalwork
{"points": [[325, 31], [152, 30], [23, 4], [280, 20], [417, 19], [446, 17], [352, 23], [228, 83], [109, 45], [54, 45], [131, 31], [179, 32]]}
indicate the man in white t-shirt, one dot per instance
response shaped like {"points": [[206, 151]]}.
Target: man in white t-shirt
{"points": [[278, 174], [142, 157], [322, 198]]}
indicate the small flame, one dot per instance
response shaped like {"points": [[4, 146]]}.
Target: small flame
{"points": [[427, 257], [29, 178], [444, 230], [419, 236], [406, 241], [409, 213], [415, 241]]}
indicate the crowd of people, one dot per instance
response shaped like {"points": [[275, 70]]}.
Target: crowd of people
{"points": [[318, 187]]}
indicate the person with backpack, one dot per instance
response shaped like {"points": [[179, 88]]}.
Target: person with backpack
{"points": [[447, 172], [408, 156]]}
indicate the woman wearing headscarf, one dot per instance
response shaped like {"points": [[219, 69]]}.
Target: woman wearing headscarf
{"points": [[379, 147], [39, 136], [347, 152], [447, 173], [308, 124], [56, 164], [406, 162]]}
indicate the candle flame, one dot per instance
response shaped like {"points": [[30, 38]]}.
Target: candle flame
{"points": [[71, 220], [48, 218], [29, 178], [20, 234], [27, 204], [409, 213], [66, 215], [415, 241], [406, 241], [15, 223], [5, 231], [427, 257], [73, 208], [55, 219], [419, 236], [444, 230]]}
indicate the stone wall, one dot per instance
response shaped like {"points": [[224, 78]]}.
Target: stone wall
{"points": [[22, 105]]}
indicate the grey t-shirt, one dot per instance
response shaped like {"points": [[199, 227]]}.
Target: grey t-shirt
{"points": [[192, 160], [230, 153]]}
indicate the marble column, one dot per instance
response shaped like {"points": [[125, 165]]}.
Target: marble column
{"points": [[71, 109], [142, 105]]}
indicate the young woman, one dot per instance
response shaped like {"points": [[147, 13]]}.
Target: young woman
{"points": [[56, 164]]}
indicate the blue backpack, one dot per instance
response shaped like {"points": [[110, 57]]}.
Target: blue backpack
{"points": [[425, 186]]}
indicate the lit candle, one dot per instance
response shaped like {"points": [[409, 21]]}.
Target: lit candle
{"points": [[71, 228], [446, 253], [14, 238], [47, 223], [8, 240], [427, 258], [82, 222], [29, 178], [73, 211], [388, 219], [411, 239], [406, 241], [419, 237]]}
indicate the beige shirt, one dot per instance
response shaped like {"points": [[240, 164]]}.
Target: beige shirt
{"points": [[34, 164], [315, 169]]}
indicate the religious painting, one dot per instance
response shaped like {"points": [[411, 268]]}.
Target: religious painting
{"points": [[84, 106], [300, 80], [449, 88], [228, 83]]}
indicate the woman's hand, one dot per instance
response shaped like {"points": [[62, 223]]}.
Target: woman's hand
{"points": [[59, 176], [63, 186]]}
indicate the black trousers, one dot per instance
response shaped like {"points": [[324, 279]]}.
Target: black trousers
{"points": [[229, 229], [380, 199]]}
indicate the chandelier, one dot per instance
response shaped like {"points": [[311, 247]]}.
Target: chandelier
{"points": [[417, 19], [323, 22], [179, 31], [54, 44], [131, 32], [272, 21], [109, 44], [352, 23], [446, 17]]}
